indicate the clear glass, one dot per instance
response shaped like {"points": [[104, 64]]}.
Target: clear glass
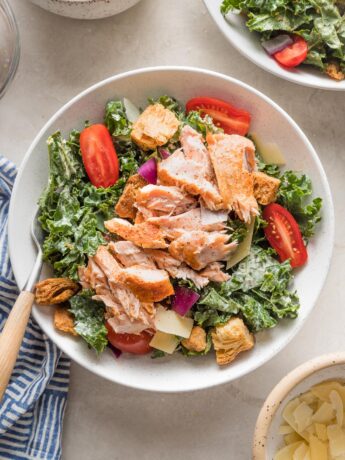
{"points": [[9, 46]]}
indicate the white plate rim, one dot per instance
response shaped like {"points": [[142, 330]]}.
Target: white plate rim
{"points": [[326, 84], [327, 198]]}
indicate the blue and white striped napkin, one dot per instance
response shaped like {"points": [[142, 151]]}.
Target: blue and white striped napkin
{"points": [[31, 412]]}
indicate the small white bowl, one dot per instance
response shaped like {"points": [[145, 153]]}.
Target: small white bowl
{"points": [[248, 44], [85, 9], [271, 123], [267, 439]]}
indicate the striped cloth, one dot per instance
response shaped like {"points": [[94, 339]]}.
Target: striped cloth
{"points": [[33, 406]]}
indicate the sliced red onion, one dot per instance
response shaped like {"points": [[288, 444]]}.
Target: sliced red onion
{"points": [[149, 171], [164, 153], [276, 44], [115, 350], [183, 300]]}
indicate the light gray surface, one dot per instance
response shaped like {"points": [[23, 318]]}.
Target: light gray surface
{"points": [[60, 57]]}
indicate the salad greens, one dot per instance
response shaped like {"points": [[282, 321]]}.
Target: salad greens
{"points": [[89, 321], [258, 291], [320, 22], [73, 212]]}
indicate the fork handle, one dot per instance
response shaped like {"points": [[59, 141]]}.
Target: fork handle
{"points": [[12, 336]]}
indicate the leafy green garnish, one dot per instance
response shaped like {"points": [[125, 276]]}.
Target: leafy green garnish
{"points": [[89, 321], [319, 22], [72, 209], [294, 194], [116, 120], [258, 291], [201, 124], [168, 102]]}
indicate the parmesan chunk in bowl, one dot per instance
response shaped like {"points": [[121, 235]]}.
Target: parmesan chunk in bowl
{"points": [[303, 417]]}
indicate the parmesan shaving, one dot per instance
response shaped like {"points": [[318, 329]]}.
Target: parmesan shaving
{"points": [[314, 424]]}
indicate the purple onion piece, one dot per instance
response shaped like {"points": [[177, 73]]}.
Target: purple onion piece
{"points": [[115, 350], [148, 171], [276, 44], [163, 153], [183, 300]]}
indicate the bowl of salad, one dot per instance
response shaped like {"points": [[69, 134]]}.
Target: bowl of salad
{"points": [[302, 42], [188, 223]]}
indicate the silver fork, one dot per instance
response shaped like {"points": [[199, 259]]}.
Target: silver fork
{"points": [[14, 329]]}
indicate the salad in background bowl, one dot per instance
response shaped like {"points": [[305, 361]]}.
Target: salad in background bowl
{"points": [[191, 259], [300, 41]]}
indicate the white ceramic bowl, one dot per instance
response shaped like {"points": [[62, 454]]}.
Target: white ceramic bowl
{"points": [[267, 440], [85, 9], [175, 373], [248, 44]]}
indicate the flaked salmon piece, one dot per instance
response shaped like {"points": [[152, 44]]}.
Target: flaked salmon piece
{"points": [[191, 177], [93, 277], [164, 199], [193, 146], [214, 272], [108, 264], [198, 248], [233, 160], [140, 218], [212, 220], [145, 235], [125, 206], [149, 285], [128, 254], [154, 127], [174, 226], [119, 320], [176, 268]]}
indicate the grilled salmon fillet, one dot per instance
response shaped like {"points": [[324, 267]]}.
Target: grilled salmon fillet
{"points": [[145, 234], [128, 254], [164, 200], [174, 226], [233, 160], [198, 249], [125, 206], [149, 285]]}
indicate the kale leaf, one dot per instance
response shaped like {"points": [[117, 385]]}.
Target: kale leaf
{"points": [[89, 321]]}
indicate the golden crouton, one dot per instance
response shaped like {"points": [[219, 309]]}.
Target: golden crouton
{"points": [[52, 291], [63, 320], [155, 126], [125, 206], [333, 70], [265, 188], [197, 340], [230, 339]]}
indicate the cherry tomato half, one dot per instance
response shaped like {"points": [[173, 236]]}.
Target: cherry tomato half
{"points": [[294, 54], [284, 235], [99, 156], [137, 344], [231, 119]]}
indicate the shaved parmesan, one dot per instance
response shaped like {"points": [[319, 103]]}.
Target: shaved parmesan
{"points": [[132, 111], [269, 152], [336, 438], [243, 249], [302, 414], [286, 453], [321, 431], [337, 404], [318, 449], [300, 452], [170, 322], [164, 342], [285, 429], [317, 421]]}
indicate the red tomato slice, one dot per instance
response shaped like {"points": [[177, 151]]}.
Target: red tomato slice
{"points": [[224, 115], [99, 156], [284, 235], [294, 54], [137, 344]]}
